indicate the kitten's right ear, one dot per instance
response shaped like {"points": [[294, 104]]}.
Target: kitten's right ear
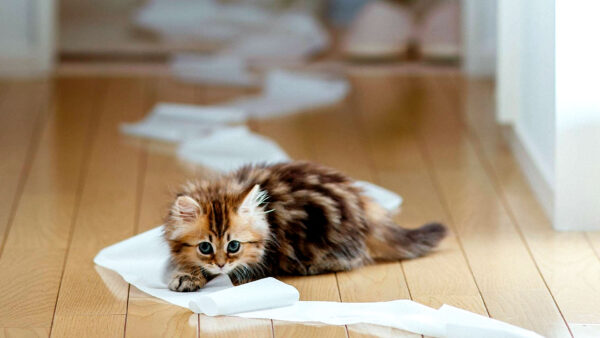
{"points": [[185, 209]]}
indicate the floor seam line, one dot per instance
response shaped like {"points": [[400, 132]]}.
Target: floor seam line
{"points": [[93, 129], [36, 137], [431, 173], [490, 173]]}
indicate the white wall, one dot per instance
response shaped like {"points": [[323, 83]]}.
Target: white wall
{"points": [[577, 186], [26, 37], [535, 125], [479, 37], [546, 87], [508, 79], [525, 87], [14, 30]]}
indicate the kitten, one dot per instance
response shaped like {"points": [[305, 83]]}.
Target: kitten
{"points": [[295, 218]]}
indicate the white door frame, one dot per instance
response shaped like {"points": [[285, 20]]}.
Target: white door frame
{"points": [[27, 37]]}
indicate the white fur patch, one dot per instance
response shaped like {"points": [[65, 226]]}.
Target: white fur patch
{"points": [[253, 208], [253, 201]]}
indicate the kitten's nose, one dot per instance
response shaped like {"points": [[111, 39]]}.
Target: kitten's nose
{"points": [[221, 265]]}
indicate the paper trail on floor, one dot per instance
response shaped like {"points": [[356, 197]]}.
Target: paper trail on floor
{"points": [[143, 261], [177, 122], [289, 92], [228, 149], [243, 34], [243, 29], [465, 324], [285, 93], [229, 70], [201, 20], [292, 35]]}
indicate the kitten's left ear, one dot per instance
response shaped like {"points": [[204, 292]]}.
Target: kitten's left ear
{"points": [[185, 209], [253, 200]]}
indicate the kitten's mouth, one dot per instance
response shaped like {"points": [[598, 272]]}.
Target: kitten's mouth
{"points": [[221, 270]]}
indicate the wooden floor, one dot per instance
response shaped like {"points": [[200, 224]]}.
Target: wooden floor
{"points": [[72, 184]]}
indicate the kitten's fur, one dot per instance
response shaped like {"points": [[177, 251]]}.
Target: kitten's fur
{"points": [[290, 218]]}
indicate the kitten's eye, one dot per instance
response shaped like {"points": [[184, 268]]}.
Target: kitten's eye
{"points": [[233, 246], [205, 248]]}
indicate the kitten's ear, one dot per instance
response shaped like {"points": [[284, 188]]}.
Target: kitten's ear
{"points": [[254, 198], [185, 209]]}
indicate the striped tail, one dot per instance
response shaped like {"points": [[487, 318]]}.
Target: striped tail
{"points": [[388, 241]]}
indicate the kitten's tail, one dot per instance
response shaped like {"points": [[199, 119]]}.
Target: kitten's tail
{"points": [[388, 241]]}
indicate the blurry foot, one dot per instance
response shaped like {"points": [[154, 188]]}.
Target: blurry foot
{"points": [[380, 30], [438, 31]]}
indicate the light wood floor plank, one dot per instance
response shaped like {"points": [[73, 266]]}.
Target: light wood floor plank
{"points": [[510, 283], [568, 263], [223, 327], [385, 117], [32, 259], [148, 316], [152, 317], [106, 214], [594, 239], [12, 332], [23, 108], [101, 326]]}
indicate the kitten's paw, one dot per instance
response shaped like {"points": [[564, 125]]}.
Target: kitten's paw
{"points": [[184, 282]]}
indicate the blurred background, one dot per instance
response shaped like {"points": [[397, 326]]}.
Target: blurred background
{"points": [[514, 44], [146, 34]]}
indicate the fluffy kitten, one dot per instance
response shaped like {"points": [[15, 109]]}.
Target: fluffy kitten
{"points": [[291, 218]]}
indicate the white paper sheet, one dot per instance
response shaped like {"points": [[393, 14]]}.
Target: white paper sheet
{"points": [[214, 69], [201, 19], [465, 324], [248, 35], [143, 261], [288, 92], [248, 30], [387, 199], [177, 122], [227, 149], [291, 36]]}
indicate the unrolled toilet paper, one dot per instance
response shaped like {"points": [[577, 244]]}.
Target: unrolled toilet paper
{"points": [[143, 261]]}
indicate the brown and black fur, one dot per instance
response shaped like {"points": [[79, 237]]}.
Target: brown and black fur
{"points": [[311, 219]]}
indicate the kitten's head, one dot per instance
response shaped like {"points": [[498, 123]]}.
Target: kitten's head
{"points": [[219, 232]]}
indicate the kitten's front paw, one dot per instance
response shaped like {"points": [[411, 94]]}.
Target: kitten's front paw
{"points": [[184, 282]]}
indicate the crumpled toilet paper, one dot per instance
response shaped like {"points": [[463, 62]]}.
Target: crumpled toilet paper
{"points": [[230, 148], [284, 93], [143, 261], [288, 92], [173, 122], [229, 70]]}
